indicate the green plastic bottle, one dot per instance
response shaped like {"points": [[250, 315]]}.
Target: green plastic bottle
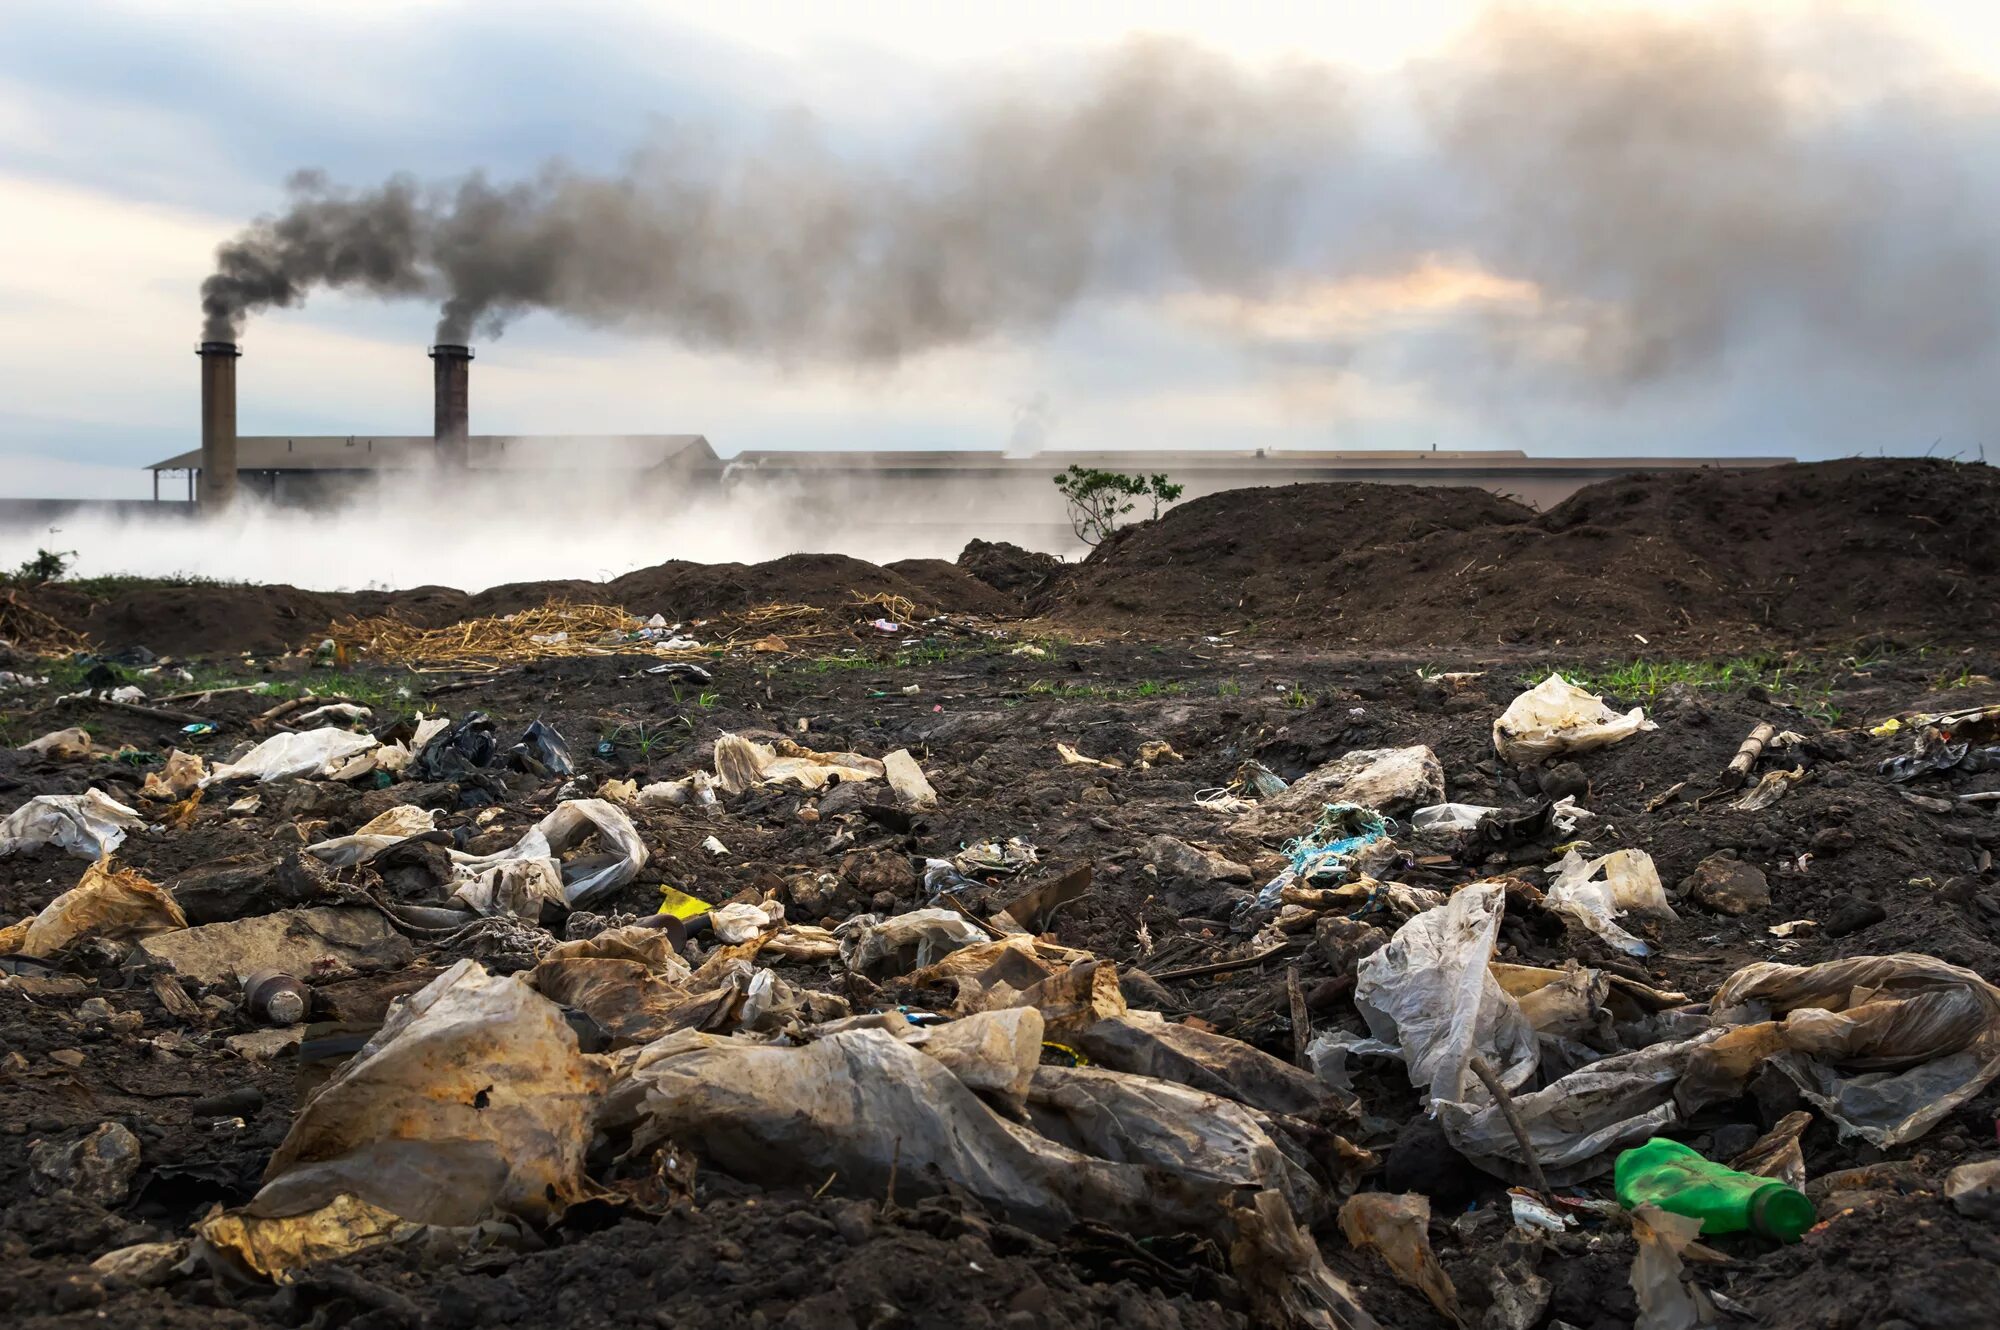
{"points": [[1678, 1180]]}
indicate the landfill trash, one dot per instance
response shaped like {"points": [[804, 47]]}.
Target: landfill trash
{"points": [[91, 824], [1555, 716], [1072, 758], [741, 763], [180, 776], [1260, 780], [1945, 741], [1449, 817], [1390, 781], [698, 789], [542, 752], [127, 693], [321, 941], [1885, 1045], [1974, 1189], [1397, 1227], [739, 923], [1593, 894], [348, 711], [1341, 844], [681, 905], [450, 751], [1669, 1175], [859, 1107], [906, 778], [471, 1103], [141, 1265], [63, 745], [1152, 752], [681, 669], [14, 679], [276, 998], [876, 947], [97, 1168], [714, 846], [325, 754], [1773, 786], [1776, 1154], [1667, 1301], [106, 902], [1178, 858], [1007, 858]]}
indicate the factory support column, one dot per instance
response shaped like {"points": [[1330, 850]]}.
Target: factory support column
{"points": [[451, 372], [218, 425]]}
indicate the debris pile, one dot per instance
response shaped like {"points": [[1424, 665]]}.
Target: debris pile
{"points": [[1000, 987]]}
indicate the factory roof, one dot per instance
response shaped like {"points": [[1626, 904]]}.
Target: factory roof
{"points": [[497, 452]]}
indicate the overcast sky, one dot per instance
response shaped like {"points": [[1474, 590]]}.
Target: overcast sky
{"points": [[1547, 232]]}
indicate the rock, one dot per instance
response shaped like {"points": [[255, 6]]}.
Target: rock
{"points": [[1344, 942], [97, 1168], [66, 1057], [1566, 780], [1831, 840], [227, 889], [94, 1009], [1392, 781], [913, 792], [810, 895], [849, 796], [1183, 860], [144, 1265], [1849, 913], [1146, 993], [1974, 1189], [315, 942], [1727, 885]]}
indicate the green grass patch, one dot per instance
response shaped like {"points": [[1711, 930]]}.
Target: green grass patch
{"points": [[1095, 692], [1804, 684], [115, 584]]}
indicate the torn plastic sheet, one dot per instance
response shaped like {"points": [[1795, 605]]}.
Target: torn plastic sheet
{"points": [[474, 1089], [324, 754], [571, 823], [1594, 894], [1398, 1227], [105, 902], [181, 776], [741, 763], [860, 1105], [91, 824], [1885, 1045], [1555, 716], [1667, 1301], [1430, 993], [876, 947]]}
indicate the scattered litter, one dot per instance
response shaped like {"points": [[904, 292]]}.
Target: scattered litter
{"points": [[1555, 716], [91, 824], [106, 902]]}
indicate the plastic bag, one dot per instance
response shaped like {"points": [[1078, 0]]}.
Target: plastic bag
{"points": [[105, 902], [573, 821], [741, 763], [1399, 1228], [181, 776], [454, 751], [1449, 817], [1429, 992], [1886, 1045], [325, 754], [1555, 716], [62, 745], [877, 948], [542, 752], [1593, 894], [91, 824], [470, 1102]]}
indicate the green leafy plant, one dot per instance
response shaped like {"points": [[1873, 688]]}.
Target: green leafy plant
{"points": [[46, 566], [1098, 500]]}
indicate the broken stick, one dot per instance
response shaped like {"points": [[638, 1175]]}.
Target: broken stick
{"points": [[1301, 1018], [1747, 753], [1487, 1077]]}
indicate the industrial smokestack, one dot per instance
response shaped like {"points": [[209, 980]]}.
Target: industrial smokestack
{"points": [[218, 425], [452, 415]]}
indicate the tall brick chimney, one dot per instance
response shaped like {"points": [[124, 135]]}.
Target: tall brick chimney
{"points": [[218, 425], [451, 367]]}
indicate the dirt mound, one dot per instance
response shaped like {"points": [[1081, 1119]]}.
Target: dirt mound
{"points": [[1008, 568], [1827, 551], [221, 620]]}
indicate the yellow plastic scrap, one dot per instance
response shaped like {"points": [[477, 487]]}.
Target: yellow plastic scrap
{"points": [[1887, 728], [681, 905], [271, 1245]]}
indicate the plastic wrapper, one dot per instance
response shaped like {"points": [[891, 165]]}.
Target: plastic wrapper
{"points": [[1448, 818], [62, 745], [1666, 1300], [1885, 1045], [181, 776], [1391, 781], [105, 902], [1555, 716], [739, 923], [876, 947], [1593, 894], [323, 754], [1429, 992], [741, 763], [91, 824], [1398, 1227]]}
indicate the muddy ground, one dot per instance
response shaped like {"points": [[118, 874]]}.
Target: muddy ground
{"points": [[984, 721]]}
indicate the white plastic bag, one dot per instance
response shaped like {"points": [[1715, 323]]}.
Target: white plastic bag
{"points": [[741, 763], [876, 947], [91, 824], [325, 754], [1555, 716], [1593, 894], [1429, 992]]}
